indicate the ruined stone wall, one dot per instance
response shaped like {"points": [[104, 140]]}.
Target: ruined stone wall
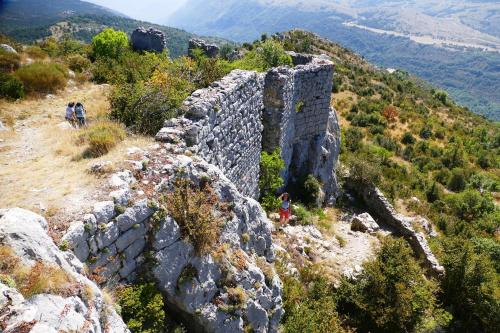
{"points": [[231, 122], [226, 128]]}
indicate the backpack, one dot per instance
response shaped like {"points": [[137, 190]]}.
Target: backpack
{"points": [[80, 111]]}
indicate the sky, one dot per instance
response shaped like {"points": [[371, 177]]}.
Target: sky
{"points": [[156, 11]]}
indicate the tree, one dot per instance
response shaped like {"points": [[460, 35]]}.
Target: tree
{"points": [[470, 287], [457, 181], [353, 138], [470, 205], [433, 193], [109, 43], [392, 294]]}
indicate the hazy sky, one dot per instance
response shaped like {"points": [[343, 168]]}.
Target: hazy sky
{"points": [[156, 11]]}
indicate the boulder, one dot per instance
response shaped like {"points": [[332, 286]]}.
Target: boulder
{"points": [[151, 40], [364, 223], [210, 50], [7, 48]]}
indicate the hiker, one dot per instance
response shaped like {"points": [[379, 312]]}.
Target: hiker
{"points": [[80, 114], [285, 209], [70, 113]]}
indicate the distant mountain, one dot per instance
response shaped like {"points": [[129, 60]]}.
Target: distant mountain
{"points": [[443, 41], [30, 20]]}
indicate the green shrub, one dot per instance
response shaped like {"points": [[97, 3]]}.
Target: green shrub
{"points": [[304, 216], [78, 63], [470, 204], [43, 78], [470, 288], [144, 107], [433, 193], [310, 305], [273, 54], [142, 308], [193, 210], [109, 43], [312, 191], [353, 139], [408, 138], [101, 137], [9, 62], [457, 181], [271, 167], [10, 86], [426, 132], [391, 294]]}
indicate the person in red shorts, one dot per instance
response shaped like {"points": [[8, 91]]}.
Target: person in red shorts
{"points": [[285, 209]]}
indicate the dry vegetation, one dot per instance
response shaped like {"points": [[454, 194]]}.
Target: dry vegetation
{"points": [[37, 279], [41, 165]]}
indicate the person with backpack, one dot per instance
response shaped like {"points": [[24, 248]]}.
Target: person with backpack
{"points": [[285, 209], [70, 113], [80, 114]]}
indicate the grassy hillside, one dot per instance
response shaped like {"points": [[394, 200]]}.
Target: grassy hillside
{"points": [[470, 76], [31, 20]]}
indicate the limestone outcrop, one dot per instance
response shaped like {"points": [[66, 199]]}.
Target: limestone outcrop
{"points": [[151, 39], [80, 308], [116, 242], [7, 48], [210, 50]]}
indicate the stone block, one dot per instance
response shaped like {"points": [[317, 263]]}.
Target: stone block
{"points": [[107, 236], [137, 231], [138, 213], [104, 211]]}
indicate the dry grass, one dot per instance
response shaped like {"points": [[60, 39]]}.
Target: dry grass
{"points": [[37, 160], [37, 279]]}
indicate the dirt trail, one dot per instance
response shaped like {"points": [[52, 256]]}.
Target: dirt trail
{"points": [[38, 169]]}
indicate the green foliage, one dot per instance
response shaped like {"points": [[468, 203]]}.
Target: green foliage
{"points": [[433, 193], [391, 294], [11, 86], [9, 62], [109, 43], [42, 77], [457, 181], [271, 167], [142, 308], [470, 204], [101, 137], [353, 138], [311, 191], [471, 287], [273, 54], [310, 306], [78, 63]]}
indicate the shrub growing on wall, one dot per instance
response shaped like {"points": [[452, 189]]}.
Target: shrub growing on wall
{"points": [[271, 167]]}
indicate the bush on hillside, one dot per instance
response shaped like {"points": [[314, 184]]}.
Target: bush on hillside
{"points": [[470, 205], [101, 137], [193, 210], [457, 180], [353, 138], [144, 107], [392, 293], [35, 52], [408, 138], [109, 43], [78, 63], [42, 78], [142, 307], [273, 54], [9, 62], [470, 287], [311, 194], [10, 86]]}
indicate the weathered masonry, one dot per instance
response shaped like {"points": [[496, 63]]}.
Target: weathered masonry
{"points": [[232, 121]]}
